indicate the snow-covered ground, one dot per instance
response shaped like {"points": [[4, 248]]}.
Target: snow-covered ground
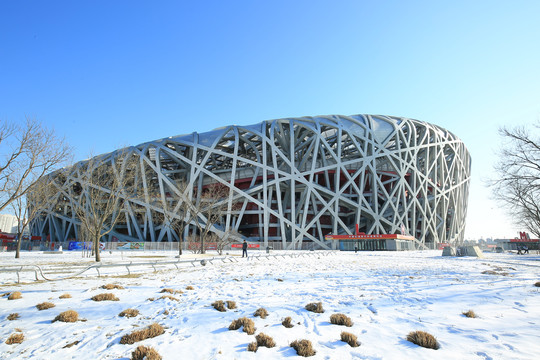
{"points": [[386, 294]]}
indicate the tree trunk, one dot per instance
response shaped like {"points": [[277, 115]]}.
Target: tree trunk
{"points": [[18, 250], [96, 249]]}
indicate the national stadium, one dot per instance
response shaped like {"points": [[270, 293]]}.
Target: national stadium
{"points": [[292, 182]]}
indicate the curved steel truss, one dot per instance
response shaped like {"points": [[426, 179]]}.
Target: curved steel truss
{"points": [[296, 180]]}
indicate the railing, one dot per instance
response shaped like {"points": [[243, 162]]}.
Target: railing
{"points": [[40, 276]]}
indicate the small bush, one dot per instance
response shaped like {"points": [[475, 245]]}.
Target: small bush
{"points": [[65, 296], [45, 306], [13, 316], [265, 340], [112, 286], [129, 313], [469, 314], [145, 353], [287, 322], [252, 346], [16, 338], [424, 339], [303, 347], [537, 284], [67, 316], [105, 297], [219, 305], [189, 287], [315, 307], [341, 319], [350, 339], [15, 295], [231, 304], [151, 331], [171, 291], [71, 344], [248, 324], [168, 297], [261, 312]]}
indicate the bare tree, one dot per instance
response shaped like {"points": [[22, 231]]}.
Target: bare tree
{"points": [[101, 188], [226, 239], [27, 153], [40, 196], [517, 185]]}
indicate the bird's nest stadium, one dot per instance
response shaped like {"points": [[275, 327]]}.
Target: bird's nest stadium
{"points": [[295, 180]]}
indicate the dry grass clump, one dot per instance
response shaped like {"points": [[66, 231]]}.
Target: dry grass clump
{"points": [[145, 353], [45, 305], [105, 297], [129, 313], [168, 297], [424, 339], [15, 295], [341, 319], [231, 304], [112, 286], [287, 322], [65, 296], [261, 312], [265, 340], [151, 331], [303, 347], [13, 316], [248, 324], [219, 305], [171, 291], [253, 346], [67, 316], [16, 338], [315, 307], [537, 284], [350, 339], [189, 287], [67, 346], [470, 314]]}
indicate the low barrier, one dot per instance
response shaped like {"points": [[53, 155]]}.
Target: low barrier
{"points": [[40, 276]]}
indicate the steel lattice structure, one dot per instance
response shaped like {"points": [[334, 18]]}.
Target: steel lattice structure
{"points": [[295, 180]]}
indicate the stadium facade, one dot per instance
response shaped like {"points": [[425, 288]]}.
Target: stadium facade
{"points": [[294, 180]]}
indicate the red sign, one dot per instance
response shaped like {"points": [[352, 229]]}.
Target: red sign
{"points": [[250, 246], [524, 240]]}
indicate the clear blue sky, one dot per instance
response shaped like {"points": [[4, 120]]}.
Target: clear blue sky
{"points": [[106, 74]]}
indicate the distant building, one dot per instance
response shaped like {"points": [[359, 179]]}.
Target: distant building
{"points": [[293, 181], [8, 223]]}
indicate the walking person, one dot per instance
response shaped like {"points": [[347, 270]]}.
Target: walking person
{"points": [[244, 249]]}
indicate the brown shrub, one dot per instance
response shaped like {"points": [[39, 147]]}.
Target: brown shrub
{"points": [[219, 305], [252, 346], [171, 291], [168, 297], [303, 347], [261, 312], [151, 331], [231, 304], [65, 296], [424, 339], [350, 339], [112, 286], [287, 322], [248, 324], [45, 305], [265, 340], [129, 313], [16, 338], [189, 287], [469, 314], [145, 353], [13, 316], [341, 319], [537, 284], [70, 344], [315, 307], [67, 316], [105, 297], [15, 295]]}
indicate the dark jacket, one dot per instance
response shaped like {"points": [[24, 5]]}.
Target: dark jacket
{"points": [[244, 246]]}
